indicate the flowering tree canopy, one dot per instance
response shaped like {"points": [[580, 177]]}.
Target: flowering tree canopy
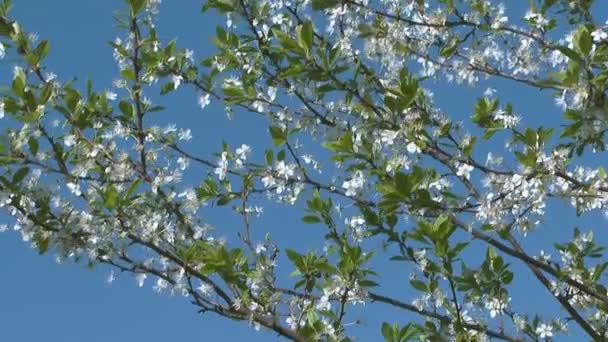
{"points": [[422, 213]]}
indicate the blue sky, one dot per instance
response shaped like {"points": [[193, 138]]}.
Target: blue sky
{"points": [[41, 300]]}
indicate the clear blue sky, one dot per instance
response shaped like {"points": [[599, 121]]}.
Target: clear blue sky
{"points": [[43, 301]]}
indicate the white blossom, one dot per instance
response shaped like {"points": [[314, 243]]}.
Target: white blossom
{"points": [[260, 248], [222, 166], [140, 278], [205, 289], [189, 54], [599, 35], [176, 80], [536, 18], [183, 162], [292, 322], [203, 100], [243, 151], [268, 180], [74, 188], [69, 140], [184, 134], [284, 170], [412, 148], [111, 277], [544, 330], [272, 93], [464, 170], [354, 185], [110, 95], [388, 137]]}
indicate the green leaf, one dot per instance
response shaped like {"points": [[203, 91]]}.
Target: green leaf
{"points": [[457, 249], [72, 98], [128, 74], [39, 53], [448, 49], [126, 108], [468, 149], [305, 37], [409, 89], [311, 219], [571, 130], [281, 155], [507, 277], [419, 285], [111, 197], [344, 144], [388, 332], [269, 156], [221, 5], [293, 255], [491, 253], [234, 92], [279, 137], [583, 41], [18, 84], [287, 41], [368, 283], [46, 93], [20, 174], [599, 269], [33, 145], [42, 243], [223, 200], [409, 333], [441, 247], [136, 6], [6, 28], [133, 188], [167, 88], [324, 4], [403, 184], [569, 53]]}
